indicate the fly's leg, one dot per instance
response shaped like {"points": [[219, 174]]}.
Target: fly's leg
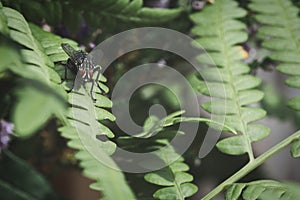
{"points": [[70, 66], [91, 91], [97, 69]]}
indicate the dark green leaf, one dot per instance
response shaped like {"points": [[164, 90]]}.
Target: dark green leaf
{"points": [[31, 113], [18, 180], [233, 146], [234, 191], [294, 103], [295, 149], [226, 78]]}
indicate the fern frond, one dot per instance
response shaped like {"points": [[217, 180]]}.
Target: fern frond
{"points": [[174, 177], [39, 77], [295, 148], [3, 22], [229, 84], [262, 189], [133, 11], [25, 188], [37, 63], [82, 129], [280, 34], [94, 12], [83, 126]]}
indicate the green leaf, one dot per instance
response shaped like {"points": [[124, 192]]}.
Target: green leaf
{"points": [[246, 82], [214, 74], [18, 180], [233, 145], [174, 175], [289, 68], [294, 103], [9, 56], [133, 7], [258, 132], [280, 34], [3, 22], [226, 78], [253, 192], [215, 89], [157, 13], [252, 114], [250, 96], [220, 107], [32, 113], [234, 191], [295, 149], [263, 189], [82, 129], [169, 193], [293, 81]]}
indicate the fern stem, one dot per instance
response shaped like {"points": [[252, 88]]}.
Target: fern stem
{"points": [[176, 185], [228, 63], [252, 165]]}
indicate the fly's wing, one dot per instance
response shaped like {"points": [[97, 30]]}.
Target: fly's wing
{"points": [[87, 68], [88, 63]]}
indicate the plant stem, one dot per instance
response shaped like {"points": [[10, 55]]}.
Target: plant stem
{"points": [[252, 165]]}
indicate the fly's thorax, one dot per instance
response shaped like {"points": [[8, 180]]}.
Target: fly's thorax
{"points": [[79, 57]]}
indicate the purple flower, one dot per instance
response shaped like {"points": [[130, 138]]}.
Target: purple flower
{"points": [[6, 129], [198, 5], [92, 45]]}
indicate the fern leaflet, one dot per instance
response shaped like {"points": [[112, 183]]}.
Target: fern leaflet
{"points": [[39, 77], [262, 189], [174, 176], [82, 127], [280, 34], [219, 32]]}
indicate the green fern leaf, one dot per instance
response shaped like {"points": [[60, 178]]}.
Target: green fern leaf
{"points": [[9, 56], [134, 12], [295, 149], [109, 11], [219, 32], [25, 188], [40, 79], [82, 126], [3, 22], [132, 7], [280, 34], [262, 189], [173, 177]]}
